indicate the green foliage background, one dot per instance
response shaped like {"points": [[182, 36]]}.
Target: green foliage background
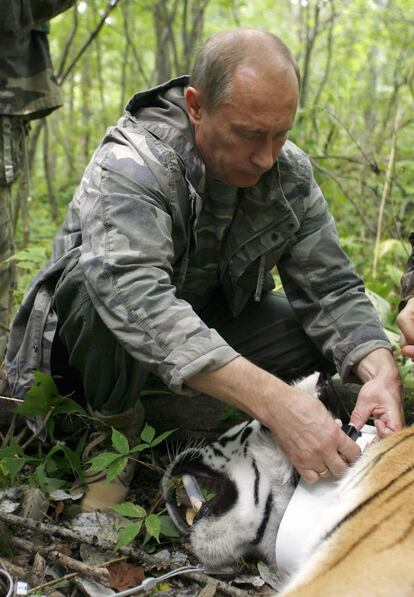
{"points": [[357, 63]]}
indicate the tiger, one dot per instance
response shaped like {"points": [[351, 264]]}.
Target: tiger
{"points": [[366, 543], [252, 481], [369, 547]]}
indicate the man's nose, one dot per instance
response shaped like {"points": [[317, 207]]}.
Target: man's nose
{"points": [[265, 155]]}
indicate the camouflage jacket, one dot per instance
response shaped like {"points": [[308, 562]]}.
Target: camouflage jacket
{"points": [[132, 226], [407, 280], [28, 86]]}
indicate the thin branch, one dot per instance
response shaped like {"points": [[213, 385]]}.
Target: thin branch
{"points": [[39, 430], [386, 190], [136, 56], [370, 162], [346, 158], [11, 399], [51, 530], [100, 574], [311, 35], [329, 57], [10, 431], [108, 10], [345, 193], [71, 575], [68, 44]]}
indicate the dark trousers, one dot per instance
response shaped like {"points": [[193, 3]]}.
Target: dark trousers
{"points": [[91, 362]]}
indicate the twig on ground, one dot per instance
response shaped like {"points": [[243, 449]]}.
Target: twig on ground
{"points": [[100, 574], [10, 431], [58, 531], [40, 429], [222, 586], [71, 575], [14, 569], [135, 554]]}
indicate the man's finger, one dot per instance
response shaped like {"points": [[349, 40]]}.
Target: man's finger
{"points": [[382, 428], [348, 449], [336, 465], [309, 475], [408, 350]]}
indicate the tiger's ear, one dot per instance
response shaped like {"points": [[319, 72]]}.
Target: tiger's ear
{"points": [[309, 384]]}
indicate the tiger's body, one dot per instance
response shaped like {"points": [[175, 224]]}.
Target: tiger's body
{"points": [[370, 547], [366, 544]]}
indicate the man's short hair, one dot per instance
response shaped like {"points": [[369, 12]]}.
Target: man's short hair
{"points": [[219, 56]]}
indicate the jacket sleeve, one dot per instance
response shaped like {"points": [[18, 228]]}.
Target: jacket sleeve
{"points": [[407, 280], [19, 15], [127, 256], [326, 294]]}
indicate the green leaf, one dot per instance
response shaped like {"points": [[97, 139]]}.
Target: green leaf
{"points": [[128, 534], [168, 528], [120, 442], [47, 484], [153, 526], [139, 448], [71, 457], [148, 434], [13, 449], [162, 437], [130, 510], [35, 404], [116, 468], [381, 305], [33, 254], [65, 405], [27, 265], [46, 383], [39, 398], [102, 461], [13, 466]]}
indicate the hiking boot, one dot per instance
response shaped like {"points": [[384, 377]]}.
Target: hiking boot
{"points": [[102, 494]]}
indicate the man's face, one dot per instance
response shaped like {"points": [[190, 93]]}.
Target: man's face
{"points": [[241, 139]]}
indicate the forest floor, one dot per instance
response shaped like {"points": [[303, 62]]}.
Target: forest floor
{"points": [[54, 549]]}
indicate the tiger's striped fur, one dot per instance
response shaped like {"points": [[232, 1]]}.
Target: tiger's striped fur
{"points": [[253, 482], [370, 547]]}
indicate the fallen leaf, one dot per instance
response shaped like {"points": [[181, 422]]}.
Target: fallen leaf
{"points": [[124, 576]]}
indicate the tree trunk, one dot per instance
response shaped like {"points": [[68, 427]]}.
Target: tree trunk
{"points": [[48, 174]]}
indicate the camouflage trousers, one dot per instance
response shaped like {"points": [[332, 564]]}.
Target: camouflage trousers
{"points": [[95, 366], [12, 133]]}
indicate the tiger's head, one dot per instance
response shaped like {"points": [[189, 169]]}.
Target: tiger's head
{"points": [[230, 495]]}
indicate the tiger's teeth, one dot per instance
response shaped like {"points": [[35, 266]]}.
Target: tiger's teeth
{"points": [[193, 491], [196, 504], [189, 516]]}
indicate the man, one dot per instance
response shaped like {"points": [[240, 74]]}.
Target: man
{"points": [[28, 90], [163, 264], [405, 318]]}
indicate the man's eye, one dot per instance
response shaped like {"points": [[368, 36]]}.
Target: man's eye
{"points": [[283, 135], [249, 135]]}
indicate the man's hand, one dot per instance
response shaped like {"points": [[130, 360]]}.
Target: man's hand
{"points": [[381, 394], [304, 429], [405, 321], [310, 437]]}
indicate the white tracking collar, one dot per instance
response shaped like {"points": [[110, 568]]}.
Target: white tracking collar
{"points": [[300, 528]]}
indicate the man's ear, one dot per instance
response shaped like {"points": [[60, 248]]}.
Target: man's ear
{"points": [[193, 104]]}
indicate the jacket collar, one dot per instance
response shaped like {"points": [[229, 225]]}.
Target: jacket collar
{"points": [[179, 138]]}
